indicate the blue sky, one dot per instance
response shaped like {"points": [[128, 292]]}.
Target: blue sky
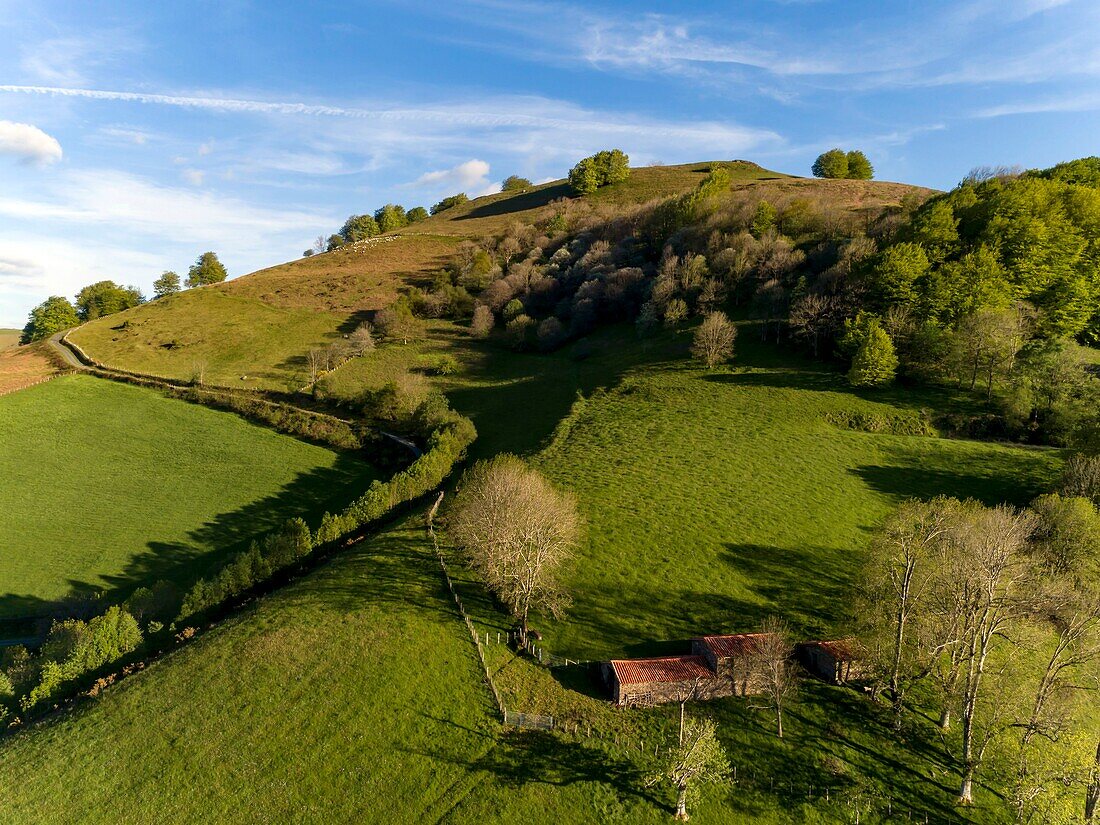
{"points": [[134, 136]]}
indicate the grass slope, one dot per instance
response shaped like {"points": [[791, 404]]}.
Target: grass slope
{"points": [[9, 338], [716, 498], [240, 341], [107, 486], [261, 325], [353, 694]]}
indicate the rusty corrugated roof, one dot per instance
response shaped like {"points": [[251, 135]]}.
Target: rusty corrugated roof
{"points": [[740, 644], [664, 669]]}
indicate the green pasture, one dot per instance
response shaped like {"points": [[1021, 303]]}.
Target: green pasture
{"points": [[105, 486]]}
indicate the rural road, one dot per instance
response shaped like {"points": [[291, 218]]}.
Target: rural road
{"points": [[67, 354]]}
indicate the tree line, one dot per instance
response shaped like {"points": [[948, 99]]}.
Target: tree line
{"points": [[991, 288], [58, 313], [992, 615]]}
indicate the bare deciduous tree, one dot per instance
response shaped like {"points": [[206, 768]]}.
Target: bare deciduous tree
{"points": [[899, 575], [771, 662], [361, 339], [714, 339], [988, 576], [698, 758], [516, 530], [812, 316]]}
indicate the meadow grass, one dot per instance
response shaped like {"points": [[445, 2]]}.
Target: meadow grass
{"points": [[106, 486], [354, 693], [9, 338], [237, 341]]}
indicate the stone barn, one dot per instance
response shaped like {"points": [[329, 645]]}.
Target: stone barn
{"points": [[732, 660], [653, 681], [837, 662], [719, 666]]}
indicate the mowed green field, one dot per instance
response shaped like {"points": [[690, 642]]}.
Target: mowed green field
{"points": [[105, 486]]}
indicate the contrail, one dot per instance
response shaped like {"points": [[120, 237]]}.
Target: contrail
{"points": [[450, 116]]}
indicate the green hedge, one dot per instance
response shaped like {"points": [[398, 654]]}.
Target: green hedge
{"points": [[75, 649], [446, 447]]}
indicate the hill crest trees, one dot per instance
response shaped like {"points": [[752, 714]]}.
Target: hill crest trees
{"points": [[206, 270], [601, 169]]}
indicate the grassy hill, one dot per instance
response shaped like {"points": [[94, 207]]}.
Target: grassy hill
{"points": [[355, 692], [9, 338], [260, 326], [106, 486]]}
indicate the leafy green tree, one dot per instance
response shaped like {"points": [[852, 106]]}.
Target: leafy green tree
{"points": [[335, 242], [831, 164], [698, 758], [895, 274], [936, 229], [763, 221], [105, 298], [859, 168], [167, 284], [450, 202], [416, 214], [51, 316], [206, 270], [391, 217], [601, 169], [1067, 536], [359, 228], [615, 165], [514, 183], [585, 177], [875, 362]]}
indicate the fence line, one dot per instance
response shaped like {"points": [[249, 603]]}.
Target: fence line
{"points": [[462, 611], [35, 382]]}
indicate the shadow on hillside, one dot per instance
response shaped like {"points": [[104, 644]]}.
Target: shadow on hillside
{"points": [[516, 400], [308, 494], [519, 203], [523, 758], [991, 478]]}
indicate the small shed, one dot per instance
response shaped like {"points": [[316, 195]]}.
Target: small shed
{"points": [[653, 681], [837, 662]]}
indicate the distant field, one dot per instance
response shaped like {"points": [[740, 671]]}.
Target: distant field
{"points": [[23, 366], [105, 486], [9, 338]]}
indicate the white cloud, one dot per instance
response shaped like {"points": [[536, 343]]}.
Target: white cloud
{"points": [[132, 205], [471, 177], [195, 177], [28, 143], [205, 148]]}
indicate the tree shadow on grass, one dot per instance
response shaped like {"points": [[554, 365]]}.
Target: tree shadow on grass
{"points": [[516, 400], [524, 758], [308, 494], [990, 477]]}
